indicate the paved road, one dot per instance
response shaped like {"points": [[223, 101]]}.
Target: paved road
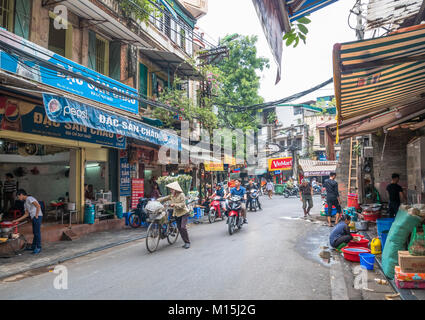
{"points": [[275, 256]]}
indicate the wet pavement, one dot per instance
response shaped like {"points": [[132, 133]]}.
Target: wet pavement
{"points": [[278, 255]]}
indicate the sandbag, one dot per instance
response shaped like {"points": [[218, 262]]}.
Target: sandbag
{"points": [[398, 235]]}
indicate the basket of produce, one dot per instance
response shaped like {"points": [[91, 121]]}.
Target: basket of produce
{"points": [[417, 242]]}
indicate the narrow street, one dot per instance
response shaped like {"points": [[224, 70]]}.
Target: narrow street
{"points": [[276, 256]]}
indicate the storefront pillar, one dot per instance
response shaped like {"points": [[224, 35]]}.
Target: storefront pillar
{"points": [[76, 180]]}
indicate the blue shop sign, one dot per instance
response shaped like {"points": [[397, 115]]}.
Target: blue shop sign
{"points": [[60, 109], [35, 71], [16, 115], [125, 180]]}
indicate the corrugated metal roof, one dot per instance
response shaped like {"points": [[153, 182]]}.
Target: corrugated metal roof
{"points": [[317, 168], [375, 74], [390, 13]]}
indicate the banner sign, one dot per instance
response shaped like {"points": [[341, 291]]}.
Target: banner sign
{"points": [[317, 173], [60, 109], [18, 115], [280, 164], [213, 166], [45, 75], [125, 186], [137, 191]]}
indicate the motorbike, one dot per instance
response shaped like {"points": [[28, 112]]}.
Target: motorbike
{"points": [[253, 194], [235, 219], [288, 192], [138, 215], [317, 189], [215, 210]]}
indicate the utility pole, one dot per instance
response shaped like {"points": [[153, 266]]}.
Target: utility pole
{"points": [[359, 27]]}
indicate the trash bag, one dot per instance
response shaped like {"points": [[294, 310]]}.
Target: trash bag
{"points": [[417, 242], [397, 238]]}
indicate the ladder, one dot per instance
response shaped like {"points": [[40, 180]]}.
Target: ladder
{"points": [[353, 183]]}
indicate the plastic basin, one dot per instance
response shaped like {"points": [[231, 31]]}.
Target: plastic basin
{"points": [[352, 253], [363, 243]]}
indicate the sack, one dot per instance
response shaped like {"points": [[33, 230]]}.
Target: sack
{"points": [[417, 242], [402, 227], [154, 207]]}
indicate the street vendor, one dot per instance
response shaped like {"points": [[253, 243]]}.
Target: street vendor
{"points": [[340, 235], [32, 210], [180, 210], [395, 192]]}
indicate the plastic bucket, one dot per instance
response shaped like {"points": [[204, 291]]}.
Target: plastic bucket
{"points": [[367, 260], [353, 200], [383, 237], [384, 224]]}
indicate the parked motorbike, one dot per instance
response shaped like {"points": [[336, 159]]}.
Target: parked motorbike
{"points": [[215, 210], [235, 219], [254, 194], [289, 192], [138, 215], [317, 189]]}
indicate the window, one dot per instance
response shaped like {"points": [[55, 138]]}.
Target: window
{"points": [[98, 54], [15, 16], [183, 38], [167, 24], [6, 14], [60, 40], [322, 138]]}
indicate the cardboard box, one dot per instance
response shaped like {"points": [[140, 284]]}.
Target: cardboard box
{"points": [[409, 263]]}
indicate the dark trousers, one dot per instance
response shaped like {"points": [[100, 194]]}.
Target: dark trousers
{"points": [[9, 201], [347, 238], [393, 208], [181, 225], [36, 230], [249, 203], [335, 203]]}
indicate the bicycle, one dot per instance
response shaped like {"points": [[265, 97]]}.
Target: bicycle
{"points": [[157, 231]]}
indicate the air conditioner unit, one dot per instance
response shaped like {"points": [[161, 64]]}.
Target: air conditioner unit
{"points": [[367, 152]]}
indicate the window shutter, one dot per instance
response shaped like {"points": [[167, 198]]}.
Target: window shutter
{"points": [[92, 50], [22, 18], [173, 30], [115, 60], [143, 83]]}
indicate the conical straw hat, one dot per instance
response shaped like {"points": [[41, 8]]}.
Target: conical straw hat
{"points": [[175, 186]]}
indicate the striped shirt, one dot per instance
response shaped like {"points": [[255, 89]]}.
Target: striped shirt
{"points": [[9, 186]]}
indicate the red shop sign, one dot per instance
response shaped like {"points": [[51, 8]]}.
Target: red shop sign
{"points": [[280, 164], [137, 191]]}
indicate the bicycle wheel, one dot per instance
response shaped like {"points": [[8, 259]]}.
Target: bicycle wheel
{"points": [[172, 232], [152, 237], [134, 220]]}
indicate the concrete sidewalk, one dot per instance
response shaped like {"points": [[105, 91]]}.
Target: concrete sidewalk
{"points": [[57, 252]]}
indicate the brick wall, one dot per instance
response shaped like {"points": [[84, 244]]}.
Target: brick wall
{"points": [[394, 159]]}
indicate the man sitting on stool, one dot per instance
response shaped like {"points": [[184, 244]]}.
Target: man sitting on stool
{"points": [[340, 235]]}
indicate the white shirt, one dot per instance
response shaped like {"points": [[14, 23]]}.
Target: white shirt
{"points": [[269, 186], [32, 209]]}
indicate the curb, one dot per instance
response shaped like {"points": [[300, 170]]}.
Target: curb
{"points": [[61, 260]]}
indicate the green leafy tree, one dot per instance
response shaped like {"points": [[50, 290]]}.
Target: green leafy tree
{"points": [[298, 32], [240, 82], [139, 9]]}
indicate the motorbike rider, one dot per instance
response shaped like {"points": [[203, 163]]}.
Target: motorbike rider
{"points": [[240, 191], [219, 192], [252, 185]]}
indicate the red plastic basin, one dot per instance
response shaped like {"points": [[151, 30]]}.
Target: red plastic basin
{"points": [[352, 253], [363, 243], [357, 235]]}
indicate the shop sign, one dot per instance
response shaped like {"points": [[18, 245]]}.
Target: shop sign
{"points": [[213, 166], [280, 164], [277, 172], [137, 191], [36, 72], [60, 109], [317, 173], [125, 184], [17, 115]]}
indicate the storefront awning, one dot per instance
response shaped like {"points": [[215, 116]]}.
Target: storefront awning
{"points": [[381, 73], [172, 61], [313, 168]]}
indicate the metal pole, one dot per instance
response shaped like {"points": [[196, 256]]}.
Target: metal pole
{"points": [[359, 27]]}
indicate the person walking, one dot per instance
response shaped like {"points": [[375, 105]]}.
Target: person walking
{"points": [[269, 188], [395, 193], [306, 195], [332, 198], [9, 192], [180, 210], [32, 210]]}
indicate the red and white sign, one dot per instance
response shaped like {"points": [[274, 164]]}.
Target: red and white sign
{"points": [[137, 191], [280, 164]]}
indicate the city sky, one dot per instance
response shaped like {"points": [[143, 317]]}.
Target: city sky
{"points": [[303, 67]]}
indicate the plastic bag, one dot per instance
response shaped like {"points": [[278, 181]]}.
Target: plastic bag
{"points": [[154, 207], [417, 242]]}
